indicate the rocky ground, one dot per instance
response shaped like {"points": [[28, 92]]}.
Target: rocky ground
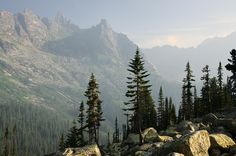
{"points": [[209, 136]]}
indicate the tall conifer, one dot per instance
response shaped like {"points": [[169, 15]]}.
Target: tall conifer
{"points": [[188, 80], [137, 86]]}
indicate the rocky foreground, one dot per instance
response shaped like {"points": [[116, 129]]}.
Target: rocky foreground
{"points": [[209, 136]]}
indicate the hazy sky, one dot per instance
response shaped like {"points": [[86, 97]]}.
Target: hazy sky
{"points": [[148, 23]]}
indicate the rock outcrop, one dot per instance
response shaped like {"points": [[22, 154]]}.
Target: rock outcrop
{"points": [[221, 141], [90, 150], [150, 135], [194, 144]]}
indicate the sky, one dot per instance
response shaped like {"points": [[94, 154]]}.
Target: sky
{"points": [[148, 23]]}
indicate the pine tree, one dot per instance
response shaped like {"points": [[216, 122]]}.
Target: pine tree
{"points": [[137, 85], [99, 119], [172, 113], [180, 114], [161, 111], [220, 84], [183, 105], [108, 140], [173, 116], [196, 106], [6, 143], [72, 137], [149, 114], [81, 122], [232, 67], [188, 111], [116, 133], [94, 111], [166, 118], [14, 142], [205, 92], [227, 96], [62, 143], [213, 91], [124, 129]]}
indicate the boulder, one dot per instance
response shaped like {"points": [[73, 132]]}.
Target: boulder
{"points": [[83, 151], [164, 138], [186, 127], [175, 154], [155, 148], [149, 135], [221, 141], [170, 132], [194, 144], [132, 139], [177, 136], [209, 118], [142, 153], [145, 147]]}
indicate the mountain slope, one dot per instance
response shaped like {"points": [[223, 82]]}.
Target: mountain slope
{"points": [[50, 61]]}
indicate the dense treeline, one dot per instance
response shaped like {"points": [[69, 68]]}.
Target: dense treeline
{"points": [[28, 129], [215, 95]]}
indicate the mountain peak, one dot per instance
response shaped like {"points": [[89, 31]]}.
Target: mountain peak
{"points": [[60, 18], [28, 12], [104, 24]]}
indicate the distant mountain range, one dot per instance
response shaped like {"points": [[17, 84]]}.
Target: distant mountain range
{"points": [[48, 63], [170, 61]]}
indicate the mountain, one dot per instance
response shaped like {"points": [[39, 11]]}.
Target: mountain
{"points": [[171, 61], [45, 66]]}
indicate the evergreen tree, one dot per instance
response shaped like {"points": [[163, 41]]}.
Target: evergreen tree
{"points": [[183, 108], [99, 119], [14, 142], [169, 110], [227, 96], [166, 118], [94, 111], [220, 84], [124, 129], [196, 106], [116, 133], [205, 92], [172, 113], [232, 67], [214, 99], [81, 122], [137, 86], [180, 114], [161, 111], [188, 110], [62, 143], [108, 140], [6, 143], [149, 114], [173, 116], [72, 137]]}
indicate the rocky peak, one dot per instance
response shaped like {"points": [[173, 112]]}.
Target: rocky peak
{"points": [[107, 35], [33, 26], [60, 19], [7, 23]]}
